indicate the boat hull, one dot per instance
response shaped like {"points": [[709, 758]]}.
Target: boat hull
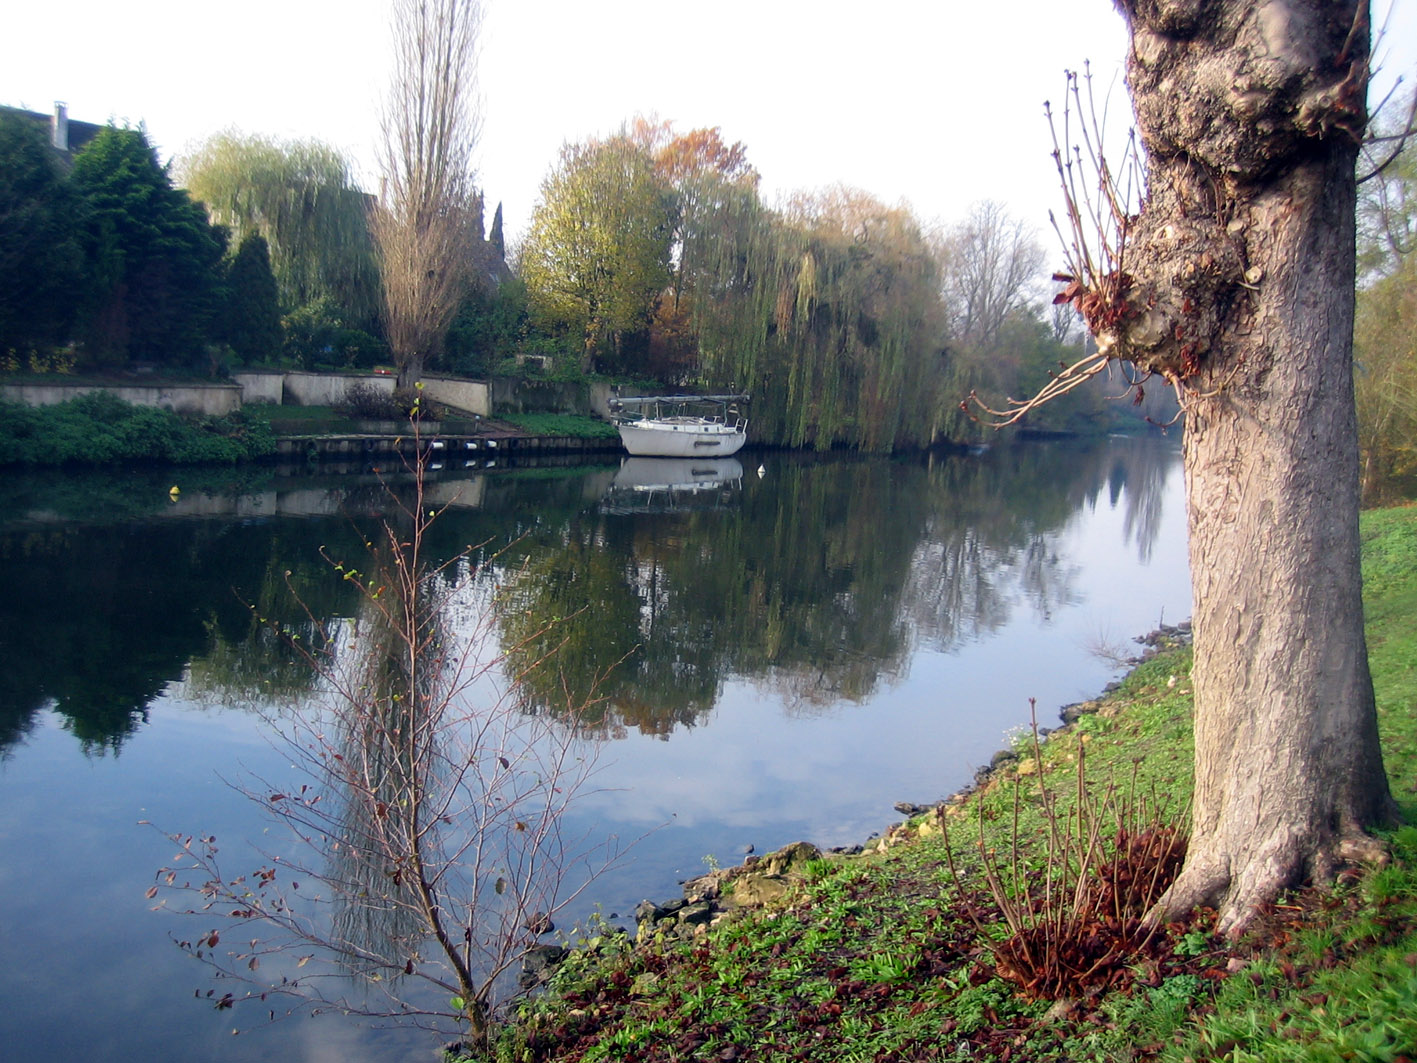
{"points": [[651, 440]]}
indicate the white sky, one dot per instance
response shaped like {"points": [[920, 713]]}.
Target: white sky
{"points": [[938, 103]]}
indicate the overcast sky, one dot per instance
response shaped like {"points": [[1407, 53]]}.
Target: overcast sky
{"points": [[936, 103]]}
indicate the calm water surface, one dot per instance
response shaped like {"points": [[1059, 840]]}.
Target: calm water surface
{"points": [[801, 646]]}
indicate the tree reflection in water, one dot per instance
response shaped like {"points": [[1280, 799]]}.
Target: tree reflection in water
{"points": [[806, 592], [816, 583], [426, 811], [820, 584]]}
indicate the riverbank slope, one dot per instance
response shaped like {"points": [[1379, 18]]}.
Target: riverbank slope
{"points": [[899, 953], [98, 429]]}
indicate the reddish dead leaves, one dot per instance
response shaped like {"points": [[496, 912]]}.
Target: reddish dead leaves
{"points": [[1091, 939], [1103, 307]]}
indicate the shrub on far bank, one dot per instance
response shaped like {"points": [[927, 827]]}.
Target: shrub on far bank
{"points": [[100, 428], [364, 402]]}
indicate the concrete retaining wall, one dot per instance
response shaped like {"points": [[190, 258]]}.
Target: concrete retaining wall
{"points": [[327, 389], [260, 387], [600, 399], [511, 395], [213, 400], [474, 396], [323, 389], [330, 389]]}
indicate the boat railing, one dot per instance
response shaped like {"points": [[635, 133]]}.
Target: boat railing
{"points": [[737, 424], [632, 408]]}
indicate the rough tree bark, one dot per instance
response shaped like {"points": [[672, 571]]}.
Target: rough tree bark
{"points": [[1239, 286]]}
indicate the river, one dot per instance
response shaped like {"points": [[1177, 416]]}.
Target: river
{"points": [[787, 645]]}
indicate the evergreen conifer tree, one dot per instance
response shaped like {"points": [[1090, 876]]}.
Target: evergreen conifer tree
{"points": [[251, 324], [41, 264], [155, 259]]}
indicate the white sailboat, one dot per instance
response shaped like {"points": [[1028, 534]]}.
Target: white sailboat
{"points": [[662, 425]]}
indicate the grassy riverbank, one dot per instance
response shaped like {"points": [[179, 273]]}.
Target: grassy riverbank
{"points": [[899, 953], [99, 429]]}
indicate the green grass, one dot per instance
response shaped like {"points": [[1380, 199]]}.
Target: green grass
{"points": [[575, 426], [303, 420], [871, 958], [100, 429], [1390, 602]]}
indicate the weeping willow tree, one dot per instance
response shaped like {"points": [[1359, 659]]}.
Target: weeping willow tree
{"points": [[702, 176], [301, 197], [1385, 349], [1385, 329], [829, 313], [731, 249]]}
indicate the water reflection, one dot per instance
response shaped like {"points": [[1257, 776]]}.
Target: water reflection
{"points": [[653, 583], [820, 642], [99, 618], [668, 485], [382, 762], [423, 811], [819, 584]]}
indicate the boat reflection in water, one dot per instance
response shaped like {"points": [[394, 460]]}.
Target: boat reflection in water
{"points": [[670, 485]]}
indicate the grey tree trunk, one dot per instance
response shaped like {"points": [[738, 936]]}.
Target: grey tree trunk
{"points": [[410, 372], [1240, 286], [1288, 771]]}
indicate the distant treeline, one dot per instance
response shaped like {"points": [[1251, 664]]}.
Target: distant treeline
{"points": [[651, 258]]}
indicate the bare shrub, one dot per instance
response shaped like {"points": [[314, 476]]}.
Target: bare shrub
{"points": [[1080, 920], [365, 402], [426, 834]]}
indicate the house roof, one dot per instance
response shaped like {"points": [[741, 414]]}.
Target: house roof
{"points": [[79, 133]]}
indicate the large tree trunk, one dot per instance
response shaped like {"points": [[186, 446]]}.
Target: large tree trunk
{"points": [[410, 372], [1241, 284], [1288, 771]]}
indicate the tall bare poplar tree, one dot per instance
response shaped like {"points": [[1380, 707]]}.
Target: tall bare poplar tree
{"points": [[1237, 285], [428, 224]]}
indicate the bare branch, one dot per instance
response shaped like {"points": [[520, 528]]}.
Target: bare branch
{"points": [[426, 823]]}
